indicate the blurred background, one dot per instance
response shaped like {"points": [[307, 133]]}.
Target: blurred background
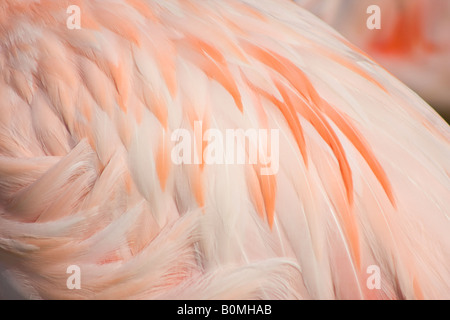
{"points": [[413, 41]]}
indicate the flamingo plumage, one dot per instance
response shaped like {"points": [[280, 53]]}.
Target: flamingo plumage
{"points": [[87, 179], [412, 40]]}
